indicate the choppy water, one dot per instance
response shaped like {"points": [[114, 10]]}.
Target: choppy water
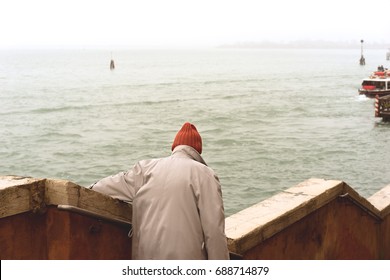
{"points": [[269, 118]]}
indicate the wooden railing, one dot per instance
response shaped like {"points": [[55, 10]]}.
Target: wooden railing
{"points": [[317, 219]]}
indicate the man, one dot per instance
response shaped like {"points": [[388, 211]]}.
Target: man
{"points": [[177, 203]]}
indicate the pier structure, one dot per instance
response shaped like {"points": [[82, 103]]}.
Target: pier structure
{"points": [[382, 107]]}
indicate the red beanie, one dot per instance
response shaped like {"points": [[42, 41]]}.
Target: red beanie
{"points": [[188, 135]]}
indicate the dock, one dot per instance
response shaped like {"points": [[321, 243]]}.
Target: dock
{"points": [[382, 107]]}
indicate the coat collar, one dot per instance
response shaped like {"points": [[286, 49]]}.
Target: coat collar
{"points": [[189, 152]]}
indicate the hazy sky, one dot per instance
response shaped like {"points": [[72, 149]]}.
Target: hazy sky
{"points": [[188, 23]]}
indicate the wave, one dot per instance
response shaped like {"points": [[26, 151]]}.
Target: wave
{"points": [[45, 110], [60, 135]]}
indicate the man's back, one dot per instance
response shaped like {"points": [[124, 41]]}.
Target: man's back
{"points": [[167, 208], [177, 203]]}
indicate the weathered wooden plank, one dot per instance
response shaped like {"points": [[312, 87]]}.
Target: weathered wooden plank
{"points": [[381, 200], [19, 194], [362, 201], [11, 181], [254, 224], [61, 192]]}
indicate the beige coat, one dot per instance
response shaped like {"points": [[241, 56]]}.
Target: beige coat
{"points": [[177, 207]]}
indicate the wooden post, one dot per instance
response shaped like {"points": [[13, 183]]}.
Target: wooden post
{"points": [[377, 115], [362, 59]]}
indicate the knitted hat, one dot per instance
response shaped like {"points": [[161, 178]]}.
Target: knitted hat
{"points": [[188, 135]]}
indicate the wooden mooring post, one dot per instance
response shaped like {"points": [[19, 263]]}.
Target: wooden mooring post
{"points": [[382, 107]]}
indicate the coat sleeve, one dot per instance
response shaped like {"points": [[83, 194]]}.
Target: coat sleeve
{"points": [[121, 186], [212, 216]]}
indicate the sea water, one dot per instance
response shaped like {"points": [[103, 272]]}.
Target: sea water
{"points": [[269, 119]]}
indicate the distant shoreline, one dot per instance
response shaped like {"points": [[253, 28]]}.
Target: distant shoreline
{"points": [[305, 44], [298, 44]]}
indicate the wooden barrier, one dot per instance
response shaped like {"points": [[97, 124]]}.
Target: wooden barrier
{"points": [[317, 219], [32, 226]]}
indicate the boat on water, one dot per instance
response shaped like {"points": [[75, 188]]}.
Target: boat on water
{"points": [[378, 84]]}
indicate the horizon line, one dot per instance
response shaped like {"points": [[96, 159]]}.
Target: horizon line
{"points": [[301, 44]]}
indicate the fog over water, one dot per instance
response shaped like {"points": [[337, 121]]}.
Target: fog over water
{"points": [[189, 24]]}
